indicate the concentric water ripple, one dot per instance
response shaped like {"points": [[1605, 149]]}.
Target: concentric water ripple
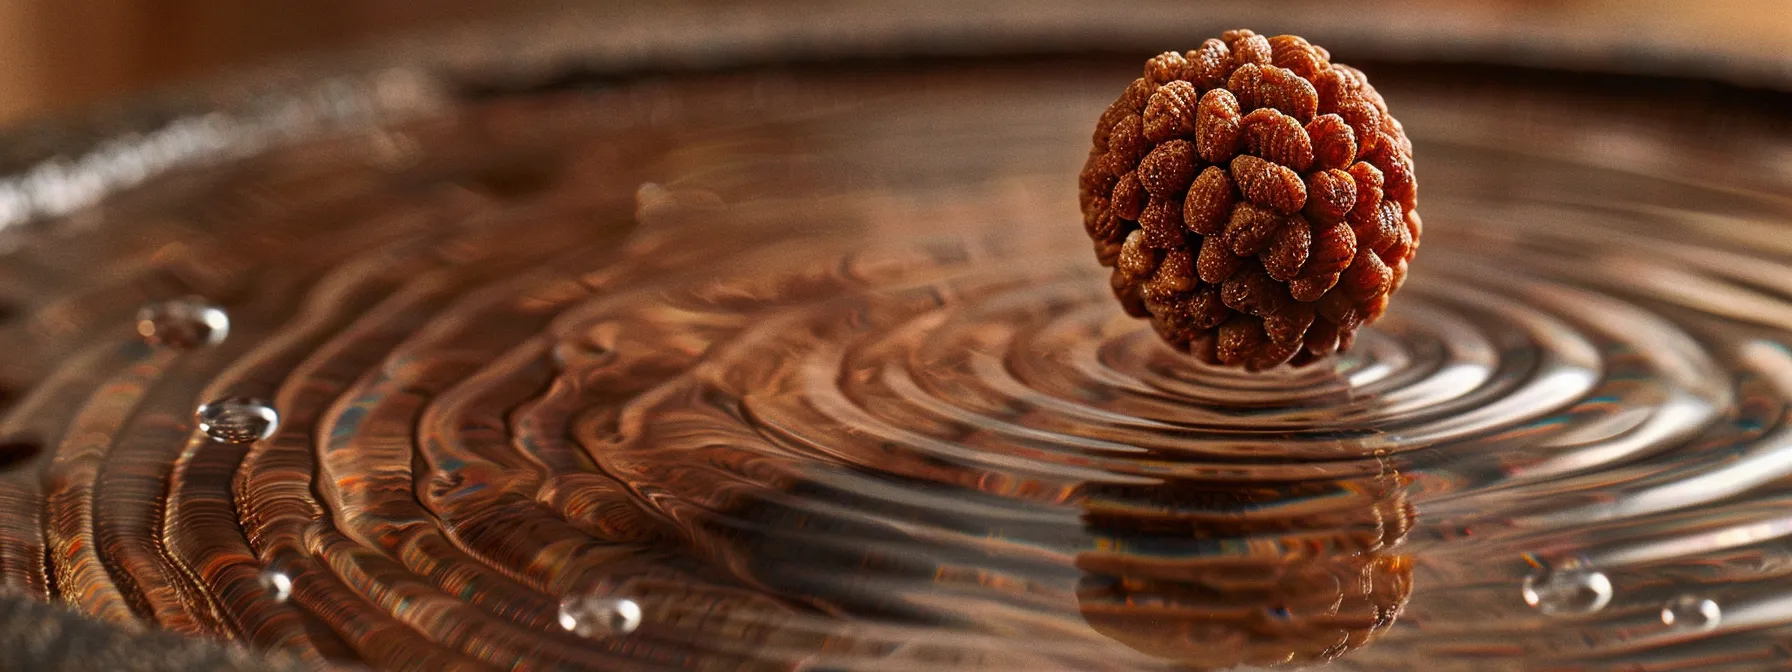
{"points": [[816, 371]]}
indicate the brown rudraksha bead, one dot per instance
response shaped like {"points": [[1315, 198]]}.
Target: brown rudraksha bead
{"points": [[1255, 200]]}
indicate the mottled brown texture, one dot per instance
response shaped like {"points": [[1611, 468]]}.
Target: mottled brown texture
{"points": [[1128, 197], [1165, 67], [1332, 249], [1295, 53], [1162, 223], [1168, 170], [1171, 111], [1215, 260], [1209, 64], [1331, 195], [1257, 200], [1136, 258], [1253, 292], [1176, 273], [1250, 228], [1278, 138], [1218, 126], [1244, 84], [1281, 89], [1363, 120], [1368, 188], [1334, 144], [1380, 229], [1248, 47], [1209, 203], [1287, 252], [1269, 184]]}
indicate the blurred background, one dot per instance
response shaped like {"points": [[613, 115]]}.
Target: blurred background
{"points": [[56, 54], [59, 54]]}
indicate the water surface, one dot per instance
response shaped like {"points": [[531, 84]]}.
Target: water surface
{"points": [[816, 369]]}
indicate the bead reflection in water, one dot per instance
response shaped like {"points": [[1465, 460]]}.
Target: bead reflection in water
{"points": [[183, 323], [277, 583], [1198, 572], [1691, 612], [593, 616], [1574, 587], [238, 420]]}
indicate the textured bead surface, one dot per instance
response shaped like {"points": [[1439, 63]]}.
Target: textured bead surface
{"points": [[1257, 201]]}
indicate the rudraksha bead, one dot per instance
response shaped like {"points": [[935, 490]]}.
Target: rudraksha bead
{"points": [[1255, 200]]}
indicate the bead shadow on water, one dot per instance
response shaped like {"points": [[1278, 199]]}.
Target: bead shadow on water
{"points": [[17, 451]]}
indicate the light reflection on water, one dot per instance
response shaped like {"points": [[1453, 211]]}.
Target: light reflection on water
{"points": [[826, 378]]}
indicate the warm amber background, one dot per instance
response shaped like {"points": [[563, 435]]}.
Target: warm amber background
{"points": [[59, 53]]}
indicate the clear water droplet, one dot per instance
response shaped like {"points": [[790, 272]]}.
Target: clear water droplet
{"points": [[1573, 588], [238, 419], [1691, 612], [183, 323], [592, 616], [278, 585]]}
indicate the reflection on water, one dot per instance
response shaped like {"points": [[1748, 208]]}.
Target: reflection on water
{"points": [[1218, 574], [813, 371]]}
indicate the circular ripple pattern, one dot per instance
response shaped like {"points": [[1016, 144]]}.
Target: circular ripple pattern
{"points": [[813, 370]]}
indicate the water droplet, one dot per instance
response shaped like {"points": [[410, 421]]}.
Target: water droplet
{"points": [[592, 616], [278, 585], [1691, 612], [238, 420], [1573, 588], [183, 323]]}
